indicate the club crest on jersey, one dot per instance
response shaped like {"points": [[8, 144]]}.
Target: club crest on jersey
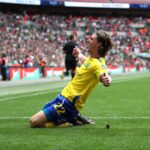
{"points": [[87, 65], [103, 66]]}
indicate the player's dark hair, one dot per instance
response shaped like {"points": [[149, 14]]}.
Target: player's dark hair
{"points": [[106, 42], [3, 55], [71, 37]]}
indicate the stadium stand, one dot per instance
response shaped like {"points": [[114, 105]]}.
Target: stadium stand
{"points": [[44, 35]]}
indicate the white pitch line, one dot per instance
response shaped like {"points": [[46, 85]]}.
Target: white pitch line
{"points": [[127, 78], [125, 117], [13, 118], [40, 93]]}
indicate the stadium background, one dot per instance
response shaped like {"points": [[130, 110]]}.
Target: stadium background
{"points": [[43, 29]]}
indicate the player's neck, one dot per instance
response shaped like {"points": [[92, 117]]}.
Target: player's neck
{"points": [[94, 55]]}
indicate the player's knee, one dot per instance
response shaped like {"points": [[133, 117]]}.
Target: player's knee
{"points": [[33, 122]]}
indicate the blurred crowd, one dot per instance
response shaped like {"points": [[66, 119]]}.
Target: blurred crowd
{"points": [[27, 38]]}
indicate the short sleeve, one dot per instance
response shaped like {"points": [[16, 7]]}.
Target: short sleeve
{"points": [[99, 69]]}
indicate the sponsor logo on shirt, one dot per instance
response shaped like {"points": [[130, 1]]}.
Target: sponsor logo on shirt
{"points": [[87, 65]]}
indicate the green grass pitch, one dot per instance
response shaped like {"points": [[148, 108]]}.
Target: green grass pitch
{"points": [[125, 106]]}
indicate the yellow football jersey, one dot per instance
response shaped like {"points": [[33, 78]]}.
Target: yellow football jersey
{"points": [[85, 79]]}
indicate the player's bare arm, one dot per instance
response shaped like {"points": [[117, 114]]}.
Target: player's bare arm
{"points": [[105, 79], [77, 53]]}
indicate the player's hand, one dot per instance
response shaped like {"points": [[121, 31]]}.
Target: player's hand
{"points": [[105, 79], [76, 51]]}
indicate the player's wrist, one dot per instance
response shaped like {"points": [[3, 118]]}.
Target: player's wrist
{"points": [[80, 55], [110, 79]]}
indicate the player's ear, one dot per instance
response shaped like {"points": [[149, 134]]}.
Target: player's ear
{"points": [[100, 49], [99, 45]]}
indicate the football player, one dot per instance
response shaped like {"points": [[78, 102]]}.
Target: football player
{"points": [[65, 109]]}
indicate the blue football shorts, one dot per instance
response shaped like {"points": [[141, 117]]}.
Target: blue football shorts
{"points": [[60, 110]]}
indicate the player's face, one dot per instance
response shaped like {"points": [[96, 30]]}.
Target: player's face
{"points": [[75, 38], [93, 44]]}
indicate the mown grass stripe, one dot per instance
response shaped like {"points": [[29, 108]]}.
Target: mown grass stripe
{"points": [[35, 94], [116, 80]]}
